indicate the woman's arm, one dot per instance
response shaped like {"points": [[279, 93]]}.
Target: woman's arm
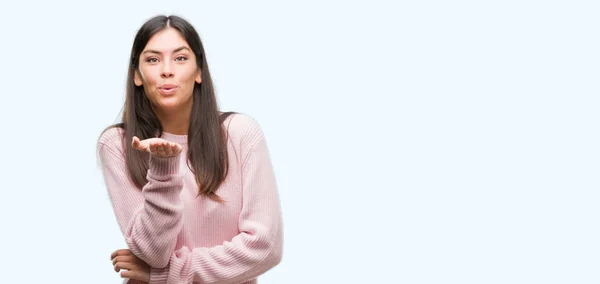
{"points": [[255, 250], [151, 218]]}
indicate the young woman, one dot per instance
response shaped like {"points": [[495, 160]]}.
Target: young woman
{"points": [[192, 188]]}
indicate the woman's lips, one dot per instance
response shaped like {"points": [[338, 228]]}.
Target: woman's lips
{"points": [[168, 89]]}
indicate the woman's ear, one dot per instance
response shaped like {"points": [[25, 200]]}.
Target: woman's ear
{"points": [[199, 77], [137, 80]]}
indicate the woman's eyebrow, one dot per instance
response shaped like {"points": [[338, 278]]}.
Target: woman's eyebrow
{"points": [[158, 52]]}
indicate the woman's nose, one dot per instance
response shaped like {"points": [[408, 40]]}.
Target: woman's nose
{"points": [[166, 74], [167, 71]]}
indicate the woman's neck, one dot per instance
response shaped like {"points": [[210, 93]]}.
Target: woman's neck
{"points": [[175, 122]]}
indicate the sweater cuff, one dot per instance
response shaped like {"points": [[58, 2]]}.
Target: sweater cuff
{"points": [[160, 166], [158, 275]]}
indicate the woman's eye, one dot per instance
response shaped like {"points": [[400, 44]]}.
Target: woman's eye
{"points": [[181, 58], [151, 60]]}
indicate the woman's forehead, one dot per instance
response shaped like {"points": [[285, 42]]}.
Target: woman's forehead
{"points": [[166, 41]]}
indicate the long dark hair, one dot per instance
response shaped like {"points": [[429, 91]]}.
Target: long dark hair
{"points": [[207, 139]]}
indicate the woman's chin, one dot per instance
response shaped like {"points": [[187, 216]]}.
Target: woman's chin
{"points": [[171, 105], [168, 105]]}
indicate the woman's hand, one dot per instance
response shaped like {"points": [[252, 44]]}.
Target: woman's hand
{"points": [[135, 268], [157, 146]]}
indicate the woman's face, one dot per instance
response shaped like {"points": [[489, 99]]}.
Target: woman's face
{"points": [[168, 71]]}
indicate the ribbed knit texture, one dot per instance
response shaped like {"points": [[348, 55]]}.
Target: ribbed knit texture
{"points": [[189, 239]]}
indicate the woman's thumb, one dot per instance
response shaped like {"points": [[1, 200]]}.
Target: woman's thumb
{"points": [[135, 142]]}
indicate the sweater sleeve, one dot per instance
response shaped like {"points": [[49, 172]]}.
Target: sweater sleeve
{"points": [[150, 218], [258, 246]]}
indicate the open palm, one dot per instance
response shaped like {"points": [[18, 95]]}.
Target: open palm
{"points": [[157, 146]]}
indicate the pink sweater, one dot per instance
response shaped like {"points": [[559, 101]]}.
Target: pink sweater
{"points": [[196, 240]]}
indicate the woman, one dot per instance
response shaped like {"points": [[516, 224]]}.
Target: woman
{"points": [[192, 188]]}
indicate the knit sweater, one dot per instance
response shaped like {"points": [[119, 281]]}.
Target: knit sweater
{"points": [[190, 239]]}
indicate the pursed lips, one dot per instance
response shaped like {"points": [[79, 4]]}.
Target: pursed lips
{"points": [[167, 89]]}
